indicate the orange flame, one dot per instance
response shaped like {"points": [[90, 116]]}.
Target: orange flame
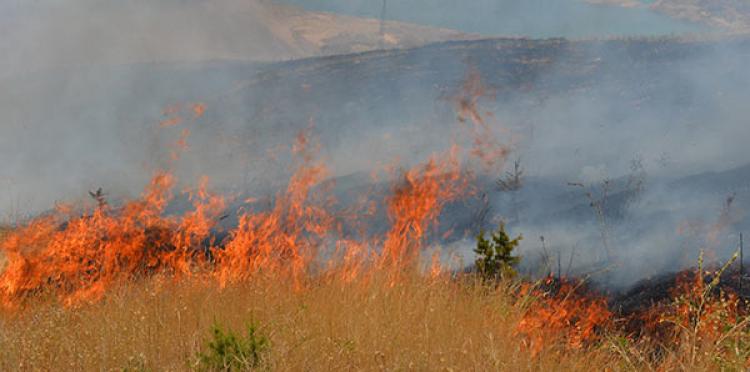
{"points": [[486, 147], [199, 109], [83, 256], [174, 117], [692, 308], [416, 204], [563, 313], [78, 258], [284, 239]]}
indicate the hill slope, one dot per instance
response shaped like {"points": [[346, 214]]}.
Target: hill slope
{"points": [[47, 33], [726, 15]]}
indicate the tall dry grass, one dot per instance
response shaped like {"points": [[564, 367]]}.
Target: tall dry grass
{"points": [[419, 323], [4, 230]]}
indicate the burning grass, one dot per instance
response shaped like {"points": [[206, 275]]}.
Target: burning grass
{"points": [[80, 256], [131, 287], [4, 230]]}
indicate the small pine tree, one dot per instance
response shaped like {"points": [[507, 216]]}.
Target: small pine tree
{"points": [[229, 352], [495, 256]]}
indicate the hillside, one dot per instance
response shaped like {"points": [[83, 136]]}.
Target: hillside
{"points": [[721, 15], [573, 19], [728, 15], [47, 33]]}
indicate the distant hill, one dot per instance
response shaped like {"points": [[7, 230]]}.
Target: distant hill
{"points": [[730, 15], [726, 15], [529, 18], [46, 33]]}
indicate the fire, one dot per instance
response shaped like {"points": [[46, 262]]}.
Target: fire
{"points": [[711, 234], [486, 146], [78, 257], [172, 117], [180, 146], [416, 204], [286, 238], [79, 254], [562, 314], [199, 109], [174, 114], [697, 311]]}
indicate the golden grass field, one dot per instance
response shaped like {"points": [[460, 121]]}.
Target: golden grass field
{"points": [[419, 323], [416, 325]]}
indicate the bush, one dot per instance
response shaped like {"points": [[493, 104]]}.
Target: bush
{"points": [[228, 352], [495, 258]]}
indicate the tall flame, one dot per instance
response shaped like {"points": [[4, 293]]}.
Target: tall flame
{"points": [[79, 257], [416, 204], [285, 238]]}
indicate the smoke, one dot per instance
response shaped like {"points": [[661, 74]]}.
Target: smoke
{"points": [[673, 121], [85, 83], [48, 34], [662, 120]]}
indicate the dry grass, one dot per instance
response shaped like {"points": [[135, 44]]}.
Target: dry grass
{"points": [[4, 230], [417, 324]]}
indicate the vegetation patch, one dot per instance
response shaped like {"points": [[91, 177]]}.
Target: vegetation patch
{"points": [[227, 351]]}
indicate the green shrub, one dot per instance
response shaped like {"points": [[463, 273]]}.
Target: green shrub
{"points": [[229, 352], [495, 258]]}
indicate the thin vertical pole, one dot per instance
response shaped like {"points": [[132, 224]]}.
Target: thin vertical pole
{"points": [[559, 265], [382, 25]]}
